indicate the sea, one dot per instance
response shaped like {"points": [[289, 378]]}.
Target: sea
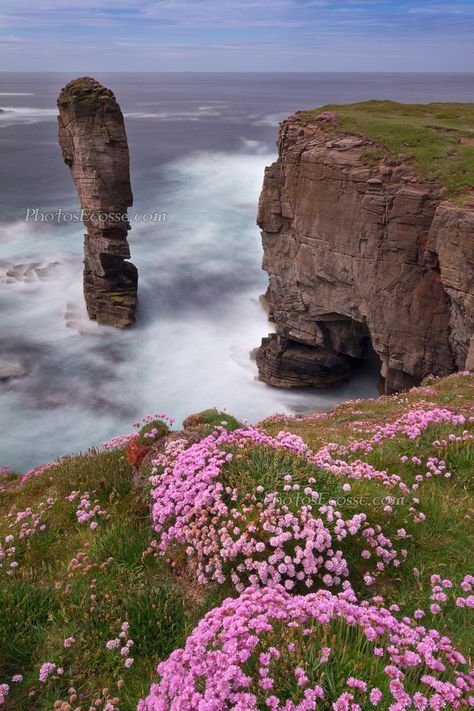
{"points": [[199, 143]]}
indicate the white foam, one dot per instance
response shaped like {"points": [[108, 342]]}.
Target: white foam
{"points": [[199, 317], [192, 115], [270, 119], [26, 115]]}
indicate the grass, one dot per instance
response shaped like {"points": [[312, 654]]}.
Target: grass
{"points": [[38, 611], [437, 138], [48, 599], [213, 418], [86, 96]]}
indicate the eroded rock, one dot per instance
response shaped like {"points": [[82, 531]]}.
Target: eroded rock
{"points": [[8, 371], [361, 256], [94, 146]]}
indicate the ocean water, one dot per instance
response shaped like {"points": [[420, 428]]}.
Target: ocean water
{"points": [[199, 144]]}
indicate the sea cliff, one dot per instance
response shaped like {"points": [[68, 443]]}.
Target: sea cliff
{"points": [[368, 235]]}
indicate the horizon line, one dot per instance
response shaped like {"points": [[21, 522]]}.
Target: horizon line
{"points": [[230, 71]]}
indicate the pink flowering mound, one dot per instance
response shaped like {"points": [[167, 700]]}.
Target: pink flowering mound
{"points": [[270, 649], [327, 117], [253, 509], [152, 428]]}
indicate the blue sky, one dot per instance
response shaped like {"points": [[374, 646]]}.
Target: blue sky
{"points": [[236, 35]]}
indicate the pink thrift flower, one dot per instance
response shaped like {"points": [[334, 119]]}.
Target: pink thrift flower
{"points": [[375, 696]]}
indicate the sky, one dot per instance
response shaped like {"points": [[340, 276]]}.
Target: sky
{"points": [[237, 35]]}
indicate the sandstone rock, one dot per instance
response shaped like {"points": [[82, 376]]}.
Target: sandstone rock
{"points": [[94, 146], [358, 258], [7, 371], [191, 421], [285, 364], [136, 452]]}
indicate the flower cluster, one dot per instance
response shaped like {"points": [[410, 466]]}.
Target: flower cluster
{"points": [[327, 117], [249, 535], [103, 700], [153, 428], [25, 524], [7, 556], [47, 669], [118, 442], [123, 644], [4, 474], [86, 510], [411, 425], [4, 689], [252, 653], [37, 471]]}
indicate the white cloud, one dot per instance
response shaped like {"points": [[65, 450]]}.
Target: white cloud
{"points": [[118, 34]]}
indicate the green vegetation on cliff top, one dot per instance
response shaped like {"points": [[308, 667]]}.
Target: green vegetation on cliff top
{"points": [[438, 137]]}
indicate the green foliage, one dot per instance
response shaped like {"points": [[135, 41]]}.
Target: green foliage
{"points": [[25, 610], [213, 418], [152, 432], [373, 156]]}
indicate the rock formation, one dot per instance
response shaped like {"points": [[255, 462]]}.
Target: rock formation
{"points": [[8, 371], [361, 256], [94, 146]]}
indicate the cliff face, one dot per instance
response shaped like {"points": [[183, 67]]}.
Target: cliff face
{"points": [[94, 146], [361, 255]]}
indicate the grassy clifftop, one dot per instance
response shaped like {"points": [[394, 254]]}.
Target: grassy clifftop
{"points": [[438, 137], [105, 570]]}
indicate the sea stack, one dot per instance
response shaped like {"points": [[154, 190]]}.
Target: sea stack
{"points": [[94, 146], [366, 249]]}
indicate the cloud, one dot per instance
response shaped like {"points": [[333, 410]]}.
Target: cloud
{"points": [[443, 9], [119, 34], [11, 39]]}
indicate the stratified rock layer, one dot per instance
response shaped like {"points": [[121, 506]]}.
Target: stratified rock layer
{"points": [[94, 146], [361, 257]]}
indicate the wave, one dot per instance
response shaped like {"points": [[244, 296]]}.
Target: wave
{"points": [[199, 317], [10, 115], [270, 119], [201, 112]]}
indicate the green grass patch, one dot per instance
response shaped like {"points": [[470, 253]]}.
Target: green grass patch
{"points": [[438, 138]]}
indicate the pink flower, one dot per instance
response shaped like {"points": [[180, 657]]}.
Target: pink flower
{"points": [[375, 696], [112, 644], [4, 689], [46, 669]]}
